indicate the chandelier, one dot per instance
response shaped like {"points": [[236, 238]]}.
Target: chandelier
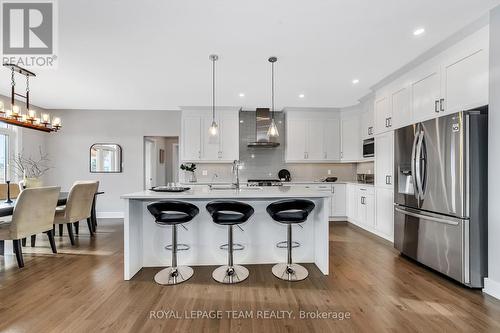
{"points": [[30, 119]]}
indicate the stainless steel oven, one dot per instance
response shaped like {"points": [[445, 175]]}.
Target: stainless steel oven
{"points": [[369, 148]]}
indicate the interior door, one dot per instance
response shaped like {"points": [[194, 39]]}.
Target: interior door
{"points": [[149, 164]]}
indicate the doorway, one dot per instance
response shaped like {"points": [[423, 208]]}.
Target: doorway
{"points": [[161, 160]]}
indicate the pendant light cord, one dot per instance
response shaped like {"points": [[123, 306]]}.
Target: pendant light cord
{"points": [[213, 89], [272, 88]]}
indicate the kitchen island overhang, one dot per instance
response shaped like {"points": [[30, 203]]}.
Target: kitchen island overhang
{"points": [[145, 241]]}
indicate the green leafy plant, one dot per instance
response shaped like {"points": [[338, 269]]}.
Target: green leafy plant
{"points": [[188, 167]]}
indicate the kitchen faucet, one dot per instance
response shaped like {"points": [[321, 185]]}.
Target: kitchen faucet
{"points": [[236, 170]]}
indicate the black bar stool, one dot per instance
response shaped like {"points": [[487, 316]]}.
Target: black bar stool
{"points": [[173, 213], [230, 213], [289, 212]]}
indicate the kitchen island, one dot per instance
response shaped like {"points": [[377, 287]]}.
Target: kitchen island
{"points": [[145, 241]]}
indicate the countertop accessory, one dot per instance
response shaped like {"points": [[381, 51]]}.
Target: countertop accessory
{"points": [[284, 175], [330, 179]]}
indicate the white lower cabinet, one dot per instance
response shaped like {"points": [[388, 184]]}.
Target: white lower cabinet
{"points": [[361, 205], [384, 224], [338, 200]]}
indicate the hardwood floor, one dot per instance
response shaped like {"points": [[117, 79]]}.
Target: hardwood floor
{"points": [[81, 290]]}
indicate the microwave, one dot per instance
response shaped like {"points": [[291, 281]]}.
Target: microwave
{"points": [[369, 148]]}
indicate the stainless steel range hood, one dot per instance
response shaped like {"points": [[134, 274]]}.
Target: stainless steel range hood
{"points": [[262, 123]]}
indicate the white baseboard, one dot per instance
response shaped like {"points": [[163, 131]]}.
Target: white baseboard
{"points": [[110, 215], [492, 288]]}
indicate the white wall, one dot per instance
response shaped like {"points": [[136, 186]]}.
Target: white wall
{"points": [[492, 283], [69, 148]]}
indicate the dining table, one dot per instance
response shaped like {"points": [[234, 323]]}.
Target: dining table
{"points": [[7, 209]]}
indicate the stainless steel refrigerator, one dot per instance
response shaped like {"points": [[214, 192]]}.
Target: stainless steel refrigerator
{"points": [[441, 194]]}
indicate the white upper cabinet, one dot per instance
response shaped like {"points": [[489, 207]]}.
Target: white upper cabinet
{"points": [[191, 138], [452, 81], [296, 130], [465, 81], [367, 123], [316, 144], [197, 145], [332, 139], [425, 92], [229, 137], [351, 140], [401, 107], [312, 137], [383, 114]]}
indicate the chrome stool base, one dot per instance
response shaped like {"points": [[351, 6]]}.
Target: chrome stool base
{"points": [[230, 275], [236, 247], [180, 247], [290, 272], [172, 276], [284, 245]]}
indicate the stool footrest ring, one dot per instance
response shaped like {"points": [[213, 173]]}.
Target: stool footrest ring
{"points": [[284, 244], [180, 247], [236, 247]]}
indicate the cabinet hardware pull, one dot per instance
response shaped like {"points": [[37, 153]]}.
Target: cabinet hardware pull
{"points": [[390, 121], [441, 104], [436, 106], [386, 122]]}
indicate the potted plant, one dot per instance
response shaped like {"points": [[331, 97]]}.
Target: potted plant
{"points": [[189, 169], [30, 170]]}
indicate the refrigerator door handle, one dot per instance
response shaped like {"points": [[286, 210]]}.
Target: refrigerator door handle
{"points": [[413, 151], [426, 217], [418, 174]]}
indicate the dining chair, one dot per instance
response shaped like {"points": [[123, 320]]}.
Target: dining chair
{"points": [[78, 207], [33, 214]]}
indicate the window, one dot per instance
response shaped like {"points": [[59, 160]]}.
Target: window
{"points": [[7, 149]]}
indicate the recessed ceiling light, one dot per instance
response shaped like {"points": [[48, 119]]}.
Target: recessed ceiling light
{"points": [[302, 96], [418, 31], [355, 81], [241, 95], [241, 121]]}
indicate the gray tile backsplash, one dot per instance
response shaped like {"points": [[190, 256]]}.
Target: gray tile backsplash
{"points": [[264, 163]]}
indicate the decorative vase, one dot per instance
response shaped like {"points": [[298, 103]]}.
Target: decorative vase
{"points": [[191, 176], [29, 182]]}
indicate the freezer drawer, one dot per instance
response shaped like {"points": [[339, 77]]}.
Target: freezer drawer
{"points": [[436, 241]]}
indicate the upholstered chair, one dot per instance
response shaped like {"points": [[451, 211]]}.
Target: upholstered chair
{"points": [[33, 214], [78, 206]]}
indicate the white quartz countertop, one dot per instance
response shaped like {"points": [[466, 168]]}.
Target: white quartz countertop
{"points": [[202, 192]]}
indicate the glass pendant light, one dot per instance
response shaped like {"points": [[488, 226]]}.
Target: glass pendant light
{"points": [[273, 129], [214, 128]]}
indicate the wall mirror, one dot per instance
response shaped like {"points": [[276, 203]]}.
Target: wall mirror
{"points": [[105, 158]]}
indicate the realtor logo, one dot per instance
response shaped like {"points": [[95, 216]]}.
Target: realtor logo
{"points": [[28, 33]]}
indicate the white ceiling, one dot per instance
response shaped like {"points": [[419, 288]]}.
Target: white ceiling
{"points": [[150, 54]]}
